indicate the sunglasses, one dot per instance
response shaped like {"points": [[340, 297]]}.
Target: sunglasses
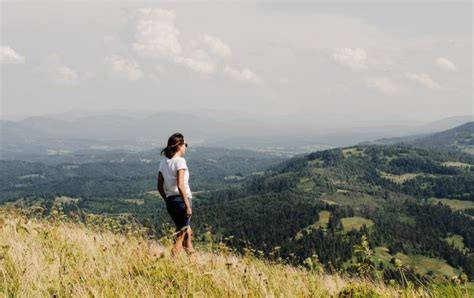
{"points": [[186, 145]]}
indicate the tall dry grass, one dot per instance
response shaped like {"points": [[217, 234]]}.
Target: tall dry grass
{"points": [[52, 256]]}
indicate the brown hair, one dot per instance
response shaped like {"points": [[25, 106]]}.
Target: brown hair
{"points": [[173, 142]]}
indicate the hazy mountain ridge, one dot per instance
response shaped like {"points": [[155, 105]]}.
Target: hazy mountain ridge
{"points": [[460, 138], [42, 135]]}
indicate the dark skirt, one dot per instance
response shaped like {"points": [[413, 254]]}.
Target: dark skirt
{"points": [[177, 210]]}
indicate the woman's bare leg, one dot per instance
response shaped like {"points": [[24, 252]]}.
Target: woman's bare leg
{"points": [[178, 243], [188, 240], [188, 244]]}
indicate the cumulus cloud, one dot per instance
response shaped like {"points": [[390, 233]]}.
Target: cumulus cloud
{"points": [[217, 46], [123, 68], [10, 56], [157, 36], [354, 58], [197, 65], [56, 72], [423, 80], [445, 64], [243, 75], [384, 85], [156, 33]]}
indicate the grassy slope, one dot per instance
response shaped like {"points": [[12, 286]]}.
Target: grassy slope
{"points": [[321, 223], [41, 257], [453, 203], [421, 264], [355, 222]]}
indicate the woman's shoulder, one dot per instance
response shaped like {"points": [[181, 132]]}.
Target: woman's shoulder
{"points": [[180, 162], [177, 158]]}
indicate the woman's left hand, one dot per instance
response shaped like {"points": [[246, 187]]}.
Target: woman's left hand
{"points": [[189, 212]]}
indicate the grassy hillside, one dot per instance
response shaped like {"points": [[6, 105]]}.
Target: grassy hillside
{"points": [[44, 256]]}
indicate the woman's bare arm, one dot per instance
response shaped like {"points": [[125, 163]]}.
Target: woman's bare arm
{"points": [[159, 185], [182, 191]]}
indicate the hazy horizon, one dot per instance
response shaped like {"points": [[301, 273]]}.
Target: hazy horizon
{"points": [[340, 120], [377, 63]]}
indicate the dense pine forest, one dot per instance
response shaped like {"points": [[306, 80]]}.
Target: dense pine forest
{"points": [[366, 209]]}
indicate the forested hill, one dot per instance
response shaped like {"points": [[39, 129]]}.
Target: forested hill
{"points": [[460, 139], [414, 205]]}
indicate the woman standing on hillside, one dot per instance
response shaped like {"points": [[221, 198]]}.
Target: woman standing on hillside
{"points": [[173, 177]]}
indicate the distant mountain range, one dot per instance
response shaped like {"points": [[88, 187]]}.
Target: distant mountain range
{"points": [[140, 130]]}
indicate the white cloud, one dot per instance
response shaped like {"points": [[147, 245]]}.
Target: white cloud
{"points": [[354, 58], [217, 46], [423, 79], [445, 64], [158, 36], [197, 65], [123, 68], [156, 33], [58, 73], [10, 56], [384, 85], [243, 75]]}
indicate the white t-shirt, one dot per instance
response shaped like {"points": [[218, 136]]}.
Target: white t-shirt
{"points": [[169, 169]]}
